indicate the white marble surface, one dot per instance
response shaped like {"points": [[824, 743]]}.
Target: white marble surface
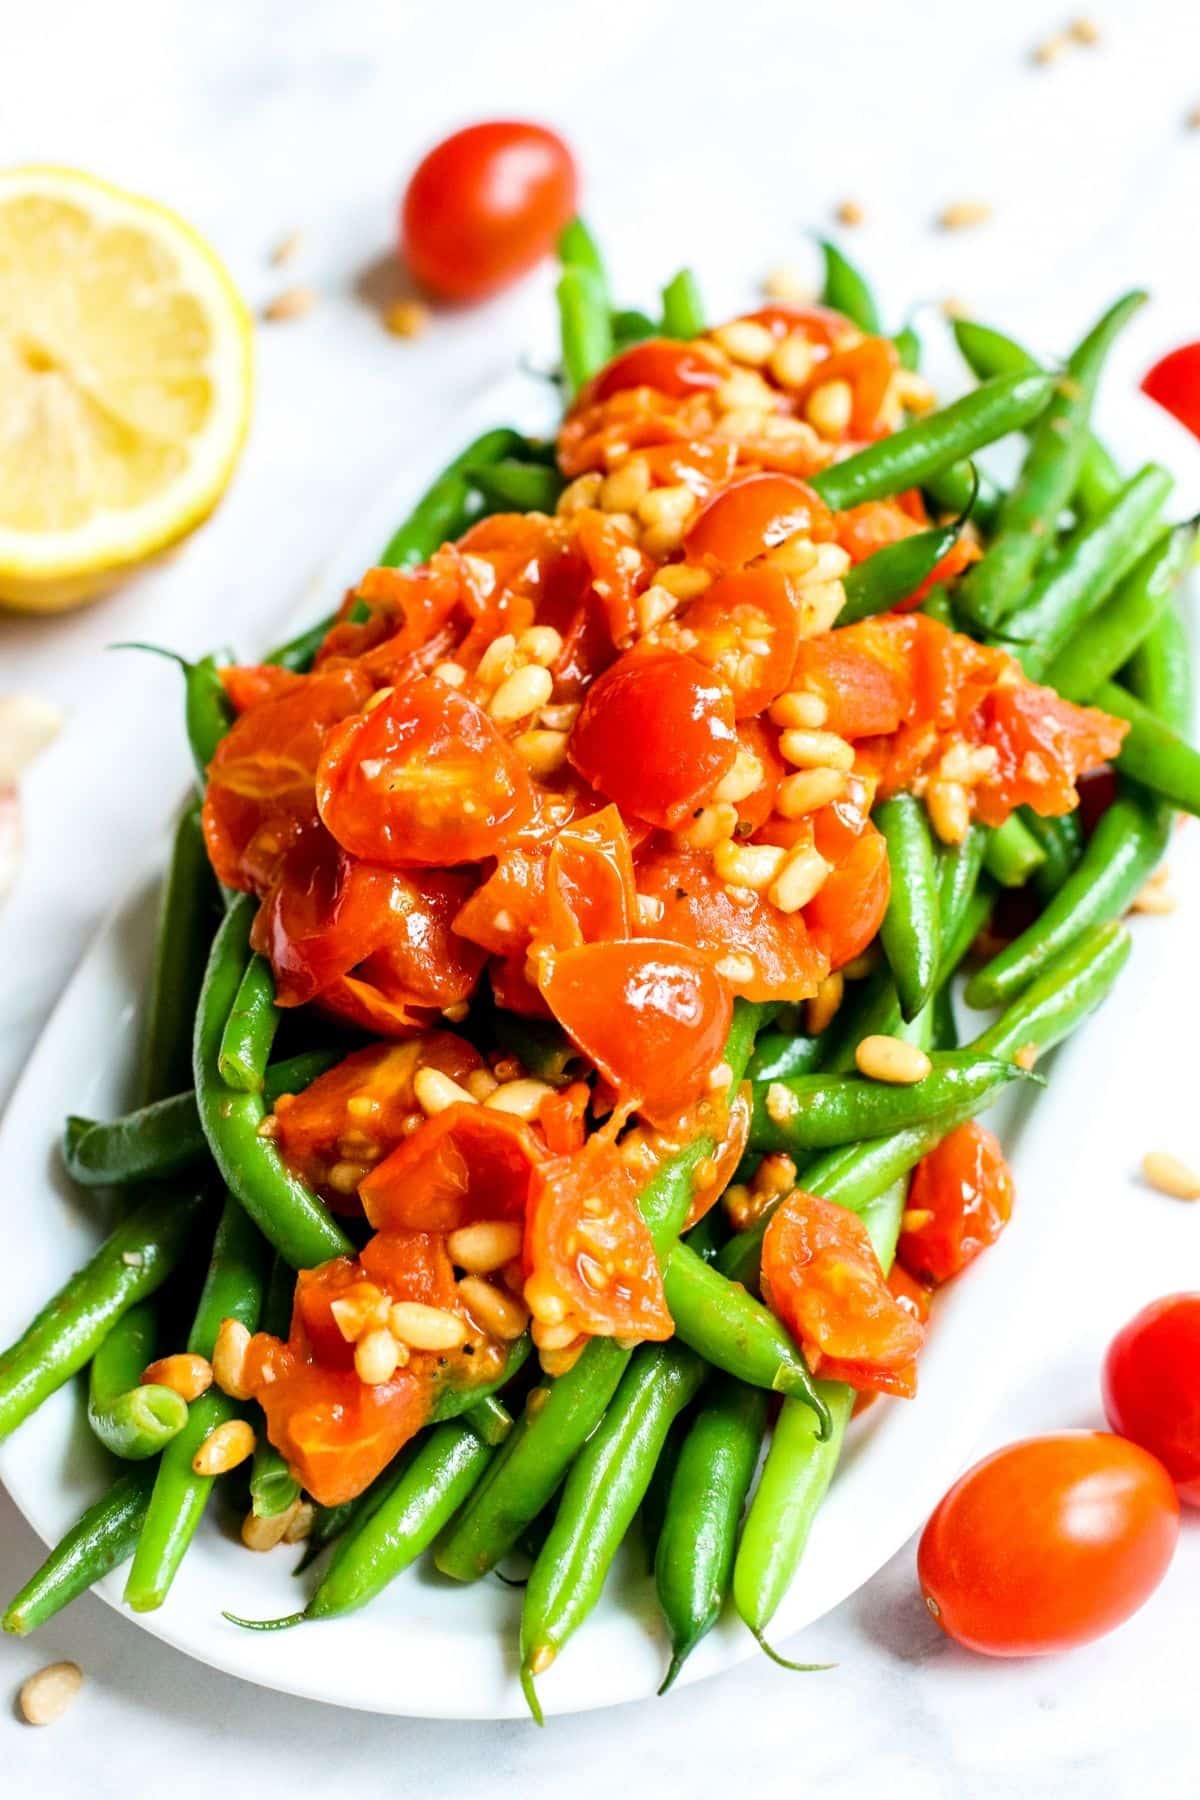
{"points": [[732, 128]]}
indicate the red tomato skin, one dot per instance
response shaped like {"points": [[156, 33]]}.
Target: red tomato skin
{"points": [[484, 206], [656, 734], [1174, 382], [659, 363], [966, 1188], [753, 516], [1048, 1543], [1151, 1387]]}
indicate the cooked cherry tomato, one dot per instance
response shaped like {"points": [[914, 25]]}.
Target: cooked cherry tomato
{"points": [[248, 685], [753, 516], [358, 1111], [1044, 744], [469, 1162], [715, 1175], [913, 1296], [653, 1016], [847, 910], [746, 628], [1152, 1387], [655, 734], [1175, 383], [586, 1242], [1048, 1543], [822, 1278], [424, 777], [590, 894], [959, 1201], [660, 363], [484, 206]]}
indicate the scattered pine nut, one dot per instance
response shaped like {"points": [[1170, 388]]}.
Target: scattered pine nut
{"points": [[47, 1695], [915, 1218], [229, 1359], [1085, 30], [493, 1310], [954, 307], [788, 284], [1156, 896], [1168, 1175], [292, 303], [484, 1247], [891, 1059], [187, 1375], [1193, 119], [426, 1327], [435, 1092], [820, 1011], [265, 1533], [962, 215], [287, 248], [523, 1098], [224, 1448], [849, 212], [407, 318], [301, 1519], [1049, 49]]}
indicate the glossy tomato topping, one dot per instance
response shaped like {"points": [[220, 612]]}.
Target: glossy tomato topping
{"points": [[959, 1201], [1152, 1387], [754, 515]]}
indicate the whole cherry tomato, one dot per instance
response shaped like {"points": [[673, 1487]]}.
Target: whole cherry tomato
{"points": [[484, 206], [1048, 1543], [1152, 1386], [1175, 384]]}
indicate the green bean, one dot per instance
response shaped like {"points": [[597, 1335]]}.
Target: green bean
{"points": [[1152, 753], [602, 1493], [959, 868], [472, 1399], [444, 509], [910, 930], [778, 1054], [250, 1029], [132, 1420], [585, 324], [187, 917], [822, 1112], [1012, 853], [233, 1289], [732, 1330], [577, 248], [102, 1539], [938, 605], [539, 1045], [973, 918], [847, 290], [167, 1136], [992, 589], [273, 1487], [386, 1537], [908, 348], [1080, 578], [1061, 840], [1160, 673], [799, 1468], [682, 307], [490, 1420], [963, 487], [909, 457], [988, 353], [513, 486], [882, 580], [693, 1565], [1127, 616], [632, 327], [654, 1500], [299, 653], [1066, 991], [132, 1262], [285, 1209]]}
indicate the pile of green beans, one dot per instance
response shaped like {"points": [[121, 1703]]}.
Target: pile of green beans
{"points": [[1078, 581]]}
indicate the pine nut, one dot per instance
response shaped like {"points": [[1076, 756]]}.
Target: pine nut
{"points": [[821, 1010], [792, 360], [376, 1357], [265, 1533], [426, 1327], [776, 1174], [746, 341], [407, 319], [452, 673], [1155, 897], [542, 752], [748, 865], [541, 644], [796, 556], [683, 581], [650, 909], [949, 807], [544, 1300], [710, 825], [494, 1311], [802, 877], [849, 212], [743, 779], [797, 709], [480, 1083], [915, 1218], [555, 1363], [300, 1522], [434, 1092], [361, 1307], [781, 1103], [961, 215], [47, 1695], [1085, 31], [484, 1247], [807, 790], [829, 407], [788, 284], [498, 660], [820, 604], [521, 694], [913, 392], [293, 303], [560, 718], [968, 763], [229, 1359], [552, 1337], [521, 1098], [666, 505], [816, 750], [224, 1448], [720, 1076], [621, 491], [654, 608], [735, 968], [1168, 1175], [891, 1059], [185, 1374], [583, 492]]}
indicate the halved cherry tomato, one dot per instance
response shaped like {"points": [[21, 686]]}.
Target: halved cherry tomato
{"points": [[1048, 1543], [335, 1432], [424, 777], [358, 1111], [661, 363], [822, 1278], [248, 685], [1174, 382], [746, 628], [784, 962], [413, 618], [698, 465], [586, 1240], [867, 367], [713, 1179], [753, 516], [863, 673], [848, 908], [485, 205], [1152, 1387], [1044, 744], [655, 734], [618, 569], [510, 906], [652, 1015], [589, 881], [466, 1163], [959, 1201], [913, 1295]]}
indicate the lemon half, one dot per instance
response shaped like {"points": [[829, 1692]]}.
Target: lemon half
{"points": [[126, 367]]}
